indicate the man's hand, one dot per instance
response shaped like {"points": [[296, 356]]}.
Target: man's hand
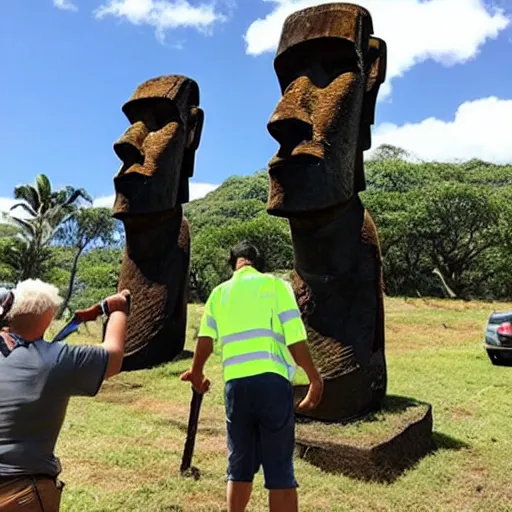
{"points": [[198, 381], [119, 302], [312, 399], [300, 353]]}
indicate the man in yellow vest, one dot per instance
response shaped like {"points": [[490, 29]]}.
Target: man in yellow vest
{"points": [[255, 320]]}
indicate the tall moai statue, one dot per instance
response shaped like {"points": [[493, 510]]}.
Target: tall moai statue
{"points": [[157, 153], [330, 69]]}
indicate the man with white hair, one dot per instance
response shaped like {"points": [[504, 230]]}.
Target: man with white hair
{"points": [[36, 381]]}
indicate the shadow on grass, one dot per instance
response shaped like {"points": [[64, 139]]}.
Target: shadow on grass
{"points": [[445, 442], [182, 426], [185, 354], [173, 373]]}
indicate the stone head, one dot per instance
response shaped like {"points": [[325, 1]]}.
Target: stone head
{"points": [[158, 149], [322, 67]]}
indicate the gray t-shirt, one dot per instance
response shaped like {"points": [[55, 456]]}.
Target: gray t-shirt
{"points": [[36, 382]]}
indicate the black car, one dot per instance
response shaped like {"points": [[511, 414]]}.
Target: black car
{"points": [[498, 338]]}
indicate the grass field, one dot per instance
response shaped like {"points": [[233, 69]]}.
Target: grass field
{"points": [[122, 450]]}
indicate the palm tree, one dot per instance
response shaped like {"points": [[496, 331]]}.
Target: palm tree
{"points": [[41, 202], [47, 209]]}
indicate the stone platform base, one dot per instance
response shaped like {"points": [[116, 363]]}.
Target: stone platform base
{"points": [[378, 447]]}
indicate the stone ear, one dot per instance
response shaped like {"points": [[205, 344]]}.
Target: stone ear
{"points": [[375, 67], [195, 128]]}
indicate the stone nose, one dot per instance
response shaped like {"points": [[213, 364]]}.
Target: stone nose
{"points": [[290, 131], [290, 123], [129, 147]]}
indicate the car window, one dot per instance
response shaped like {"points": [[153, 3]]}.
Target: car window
{"points": [[499, 318]]}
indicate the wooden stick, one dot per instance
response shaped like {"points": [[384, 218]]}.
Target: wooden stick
{"points": [[193, 420]]}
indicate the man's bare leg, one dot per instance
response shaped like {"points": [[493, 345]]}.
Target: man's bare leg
{"points": [[283, 500], [238, 495]]}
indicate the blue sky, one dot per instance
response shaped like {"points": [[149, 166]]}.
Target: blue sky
{"points": [[69, 65]]}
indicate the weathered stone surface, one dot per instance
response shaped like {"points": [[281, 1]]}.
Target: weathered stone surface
{"points": [[378, 447], [330, 68], [157, 153]]}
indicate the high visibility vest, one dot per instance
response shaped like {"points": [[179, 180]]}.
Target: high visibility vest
{"points": [[253, 318]]}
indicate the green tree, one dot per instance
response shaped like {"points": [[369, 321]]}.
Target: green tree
{"points": [[428, 213], [242, 188], [7, 231], [396, 175], [86, 228], [389, 152], [459, 225], [28, 253], [407, 268], [209, 266], [440, 237], [216, 212]]}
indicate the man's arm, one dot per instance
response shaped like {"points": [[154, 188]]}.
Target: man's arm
{"points": [[115, 335], [302, 357], [295, 338], [204, 348]]}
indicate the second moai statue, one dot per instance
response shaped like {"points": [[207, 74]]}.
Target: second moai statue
{"points": [[157, 153], [330, 68]]}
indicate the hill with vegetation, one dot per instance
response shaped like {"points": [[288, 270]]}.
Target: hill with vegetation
{"points": [[445, 230], [235, 211]]}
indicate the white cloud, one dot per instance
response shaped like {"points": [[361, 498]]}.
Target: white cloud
{"points": [[163, 15], [446, 31], [197, 191], [480, 129], [104, 202], [67, 5], [6, 203]]}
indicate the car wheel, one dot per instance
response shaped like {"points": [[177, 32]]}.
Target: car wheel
{"points": [[495, 357]]}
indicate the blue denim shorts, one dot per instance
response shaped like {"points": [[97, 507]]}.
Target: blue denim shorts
{"points": [[261, 430]]}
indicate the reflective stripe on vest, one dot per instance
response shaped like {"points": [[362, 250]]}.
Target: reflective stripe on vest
{"points": [[286, 316], [254, 363], [262, 351], [252, 334], [211, 323], [255, 356]]}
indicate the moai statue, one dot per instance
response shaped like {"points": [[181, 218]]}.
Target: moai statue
{"points": [[157, 153], [330, 69]]}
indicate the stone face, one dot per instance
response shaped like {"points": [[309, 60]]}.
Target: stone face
{"points": [[330, 68], [400, 441], [157, 153]]}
